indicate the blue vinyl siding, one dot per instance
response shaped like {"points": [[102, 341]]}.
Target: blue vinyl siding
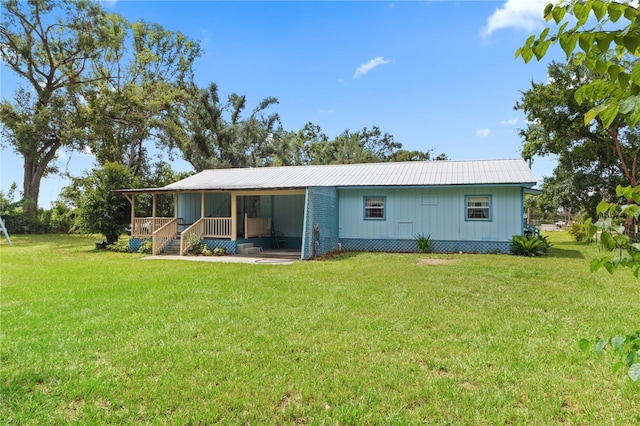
{"points": [[440, 212]]}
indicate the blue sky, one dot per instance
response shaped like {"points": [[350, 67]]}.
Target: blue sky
{"points": [[438, 75]]}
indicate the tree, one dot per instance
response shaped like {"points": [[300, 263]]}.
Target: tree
{"points": [[610, 51], [311, 145], [589, 166], [51, 44], [220, 137], [99, 208], [140, 83], [573, 189]]}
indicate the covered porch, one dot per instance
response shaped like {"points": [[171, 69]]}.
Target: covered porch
{"points": [[233, 220]]}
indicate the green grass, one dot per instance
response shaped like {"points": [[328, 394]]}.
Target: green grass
{"points": [[92, 337]]}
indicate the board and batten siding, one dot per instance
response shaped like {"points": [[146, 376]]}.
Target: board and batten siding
{"points": [[216, 204], [440, 212]]}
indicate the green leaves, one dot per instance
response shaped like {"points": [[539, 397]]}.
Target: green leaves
{"points": [[626, 347], [529, 245], [613, 238], [600, 50]]}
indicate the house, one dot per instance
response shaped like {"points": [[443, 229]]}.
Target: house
{"points": [[465, 206]]}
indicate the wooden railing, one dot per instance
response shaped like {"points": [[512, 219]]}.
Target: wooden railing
{"points": [[213, 227], [531, 230], [217, 227], [146, 226], [163, 235], [257, 226], [191, 236]]}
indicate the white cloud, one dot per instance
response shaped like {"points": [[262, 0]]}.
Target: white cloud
{"points": [[483, 133], [368, 66], [511, 122], [517, 14]]}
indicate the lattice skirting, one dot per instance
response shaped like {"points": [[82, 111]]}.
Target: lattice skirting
{"points": [[229, 246], [135, 243], [438, 246]]}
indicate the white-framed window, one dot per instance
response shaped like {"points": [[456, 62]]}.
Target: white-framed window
{"points": [[374, 208], [478, 207]]}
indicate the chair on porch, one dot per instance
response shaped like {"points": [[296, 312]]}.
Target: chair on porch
{"points": [[278, 241]]}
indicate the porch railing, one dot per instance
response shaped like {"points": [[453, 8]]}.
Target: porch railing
{"points": [[217, 227], [213, 227], [146, 226], [163, 235], [191, 236], [531, 230]]}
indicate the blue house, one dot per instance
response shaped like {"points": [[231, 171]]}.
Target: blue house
{"points": [[468, 206]]}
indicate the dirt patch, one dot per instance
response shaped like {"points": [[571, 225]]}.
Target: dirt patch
{"points": [[436, 261]]}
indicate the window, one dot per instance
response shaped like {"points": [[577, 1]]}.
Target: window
{"points": [[479, 207], [374, 208]]}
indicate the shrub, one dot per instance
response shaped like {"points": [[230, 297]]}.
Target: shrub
{"points": [[424, 243], [200, 249], [525, 245], [120, 247], [577, 230], [219, 251], [146, 247]]}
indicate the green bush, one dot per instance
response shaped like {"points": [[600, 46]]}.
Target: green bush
{"points": [[120, 247], [529, 245], [424, 243], [146, 247], [219, 251], [200, 249], [577, 230]]}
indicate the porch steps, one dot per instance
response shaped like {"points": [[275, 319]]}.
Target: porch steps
{"points": [[173, 249], [248, 248]]}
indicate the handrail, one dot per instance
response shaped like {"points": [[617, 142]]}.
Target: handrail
{"points": [[146, 226], [532, 229], [191, 236], [163, 235]]}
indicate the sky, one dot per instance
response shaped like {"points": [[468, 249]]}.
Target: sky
{"points": [[437, 75]]}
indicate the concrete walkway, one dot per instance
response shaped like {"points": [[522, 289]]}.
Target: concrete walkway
{"points": [[235, 258]]}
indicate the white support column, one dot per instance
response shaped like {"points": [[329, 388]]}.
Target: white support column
{"points": [[132, 200], [153, 213], [175, 204], [202, 205], [234, 218]]}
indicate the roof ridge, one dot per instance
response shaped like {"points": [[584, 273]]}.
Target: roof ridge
{"points": [[367, 164]]}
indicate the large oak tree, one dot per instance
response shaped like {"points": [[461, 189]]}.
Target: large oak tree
{"points": [[50, 45]]}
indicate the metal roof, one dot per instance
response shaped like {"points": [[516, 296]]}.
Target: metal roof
{"points": [[412, 173]]}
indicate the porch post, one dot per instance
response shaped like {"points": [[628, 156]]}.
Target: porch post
{"points": [[132, 200], [153, 213], [234, 213], [201, 204], [175, 204]]}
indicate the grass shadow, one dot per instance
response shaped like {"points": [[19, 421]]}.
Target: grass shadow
{"points": [[564, 253]]}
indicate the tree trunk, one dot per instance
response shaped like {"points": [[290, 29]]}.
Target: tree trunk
{"points": [[31, 186]]}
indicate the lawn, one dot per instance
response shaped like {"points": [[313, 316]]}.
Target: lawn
{"points": [[93, 337]]}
